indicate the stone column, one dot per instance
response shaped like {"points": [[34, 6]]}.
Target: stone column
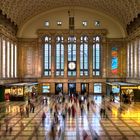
{"points": [[40, 71], [90, 88], [124, 62], [53, 56], [52, 87], [65, 56], [78, 87], [65, 87], [78, 56], [104, 58], [90, 58], [103, 88]]}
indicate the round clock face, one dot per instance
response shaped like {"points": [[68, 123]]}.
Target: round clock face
{"points": [[72, 65]]}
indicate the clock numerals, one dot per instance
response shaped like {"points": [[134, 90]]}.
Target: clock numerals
{"points": [[72, 66]]}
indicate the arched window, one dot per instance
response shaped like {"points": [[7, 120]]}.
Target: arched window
{"points": [[47, 56], [96, 56], [59, 56], [84, 56], [72, 54]]}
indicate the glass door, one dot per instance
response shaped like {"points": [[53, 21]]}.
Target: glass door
{"points": [[84, 88], [58, 88], [72, 88]]}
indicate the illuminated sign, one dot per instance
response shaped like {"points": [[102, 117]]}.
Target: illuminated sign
{"points": [[114, 63]]}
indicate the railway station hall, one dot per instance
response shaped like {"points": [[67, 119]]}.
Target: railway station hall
{"points": [[69, 69]]}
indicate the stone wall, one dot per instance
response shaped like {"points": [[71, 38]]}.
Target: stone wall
{"points": [[31, 61]]}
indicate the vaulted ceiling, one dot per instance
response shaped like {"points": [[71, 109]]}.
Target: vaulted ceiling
{"points": [[124, 11]]}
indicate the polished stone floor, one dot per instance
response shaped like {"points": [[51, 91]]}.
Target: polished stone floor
{"points": [[117, 124]]}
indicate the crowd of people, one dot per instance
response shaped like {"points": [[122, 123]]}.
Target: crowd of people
{"points": [[61, 107]]}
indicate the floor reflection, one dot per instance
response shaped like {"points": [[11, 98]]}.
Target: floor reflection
{"points": [[120, 121]]}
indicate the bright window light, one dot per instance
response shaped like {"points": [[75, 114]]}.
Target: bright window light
{"points": [[97, 23], [47, 23], [84, 23], [59, 23]]}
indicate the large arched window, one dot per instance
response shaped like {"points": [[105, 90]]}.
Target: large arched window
{"points": [[84, 56], [47, 56], [71, 54], [96, 56], [59, 56]]}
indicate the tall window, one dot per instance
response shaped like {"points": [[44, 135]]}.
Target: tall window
{"points": [[12, 62], [47, 56], [135, 58], [59, 56], [3, 58], [8, 59], [131, 59], [84, 56], [96, 56], [15, 60], [71, 53], [8, 55], [0, 55], [128, 60]]}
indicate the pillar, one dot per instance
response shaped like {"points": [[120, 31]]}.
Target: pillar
{"points": [[53, 52], [65, 56]]}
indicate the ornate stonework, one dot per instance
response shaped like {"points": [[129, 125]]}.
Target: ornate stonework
{"points": [[135, 34], [21, 10], [7, 33], [89, 32]]}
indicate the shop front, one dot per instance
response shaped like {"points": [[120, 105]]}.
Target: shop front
{"points": [[127, 92], [20, 91]]}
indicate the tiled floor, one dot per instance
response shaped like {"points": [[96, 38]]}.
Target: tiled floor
{"points": [[124, 125]]}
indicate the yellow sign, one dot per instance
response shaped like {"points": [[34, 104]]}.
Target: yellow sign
{"points": [[129, 87]]}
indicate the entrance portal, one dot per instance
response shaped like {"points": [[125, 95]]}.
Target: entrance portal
{"points": [[84, 88], [72, 88], [58, 88]]}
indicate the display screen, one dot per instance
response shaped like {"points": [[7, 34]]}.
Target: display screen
{"points": [[46, 89], [114, 64], [115, 89], [97, 88]]}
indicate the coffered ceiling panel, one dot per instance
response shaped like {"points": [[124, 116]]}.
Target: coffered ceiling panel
{"points": [[21, 10]]}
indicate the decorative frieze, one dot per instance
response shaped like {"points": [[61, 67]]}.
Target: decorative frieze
{"points": [[7, 33], [56, 32]]}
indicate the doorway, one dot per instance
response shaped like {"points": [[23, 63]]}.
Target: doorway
{"points": [[84, 88], [72, 88], [58, 88]]}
